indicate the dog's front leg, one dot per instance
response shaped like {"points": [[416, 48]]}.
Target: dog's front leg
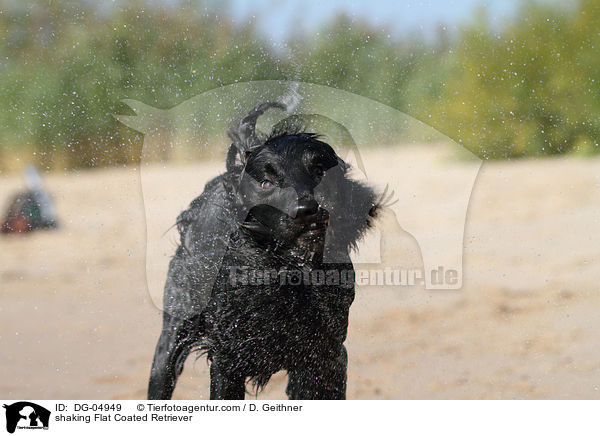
{"points": [[224, 385], [177, 338]]}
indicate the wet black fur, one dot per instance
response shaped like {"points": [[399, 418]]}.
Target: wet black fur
{"points": [[251, 331]]}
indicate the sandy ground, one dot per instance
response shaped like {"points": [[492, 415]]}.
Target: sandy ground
{"points": [[77, 319]]}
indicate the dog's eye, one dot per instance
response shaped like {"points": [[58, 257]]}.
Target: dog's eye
{"points": [[319, 171], [266, 184]]}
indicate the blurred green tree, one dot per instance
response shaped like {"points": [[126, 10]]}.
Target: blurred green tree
{"points": [[530, 86]]}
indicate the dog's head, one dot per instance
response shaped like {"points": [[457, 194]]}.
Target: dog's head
{"points": [[291, 188]]}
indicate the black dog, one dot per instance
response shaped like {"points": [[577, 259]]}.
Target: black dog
{"points": [[262, 280]]}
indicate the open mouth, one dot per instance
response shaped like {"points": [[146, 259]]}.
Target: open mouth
{"points": [[264, 223]]}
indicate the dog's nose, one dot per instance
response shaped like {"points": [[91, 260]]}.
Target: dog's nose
{"points": [[306, 209]]}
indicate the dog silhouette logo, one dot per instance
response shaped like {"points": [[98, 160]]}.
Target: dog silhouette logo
{"points": [[352, 125], [26, 415]]}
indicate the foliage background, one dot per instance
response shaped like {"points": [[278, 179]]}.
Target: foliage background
{"points": [[529, 87]]}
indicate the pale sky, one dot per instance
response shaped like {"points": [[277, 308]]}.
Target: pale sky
{"points": [[276, 17]]}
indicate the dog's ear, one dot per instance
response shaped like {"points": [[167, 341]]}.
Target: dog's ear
{"points": [[344, 167], [243, 135]]}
